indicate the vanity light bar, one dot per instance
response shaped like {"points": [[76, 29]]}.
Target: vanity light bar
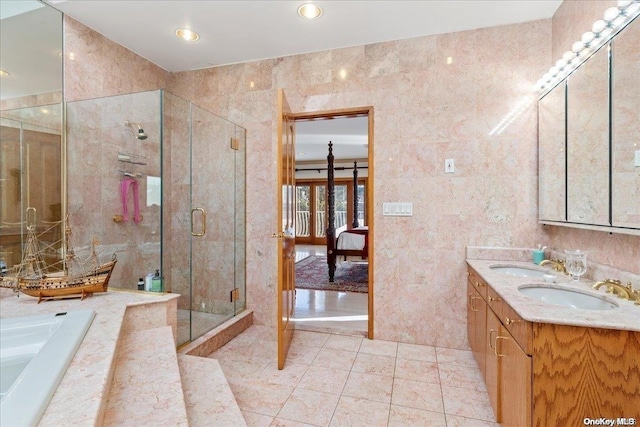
{"points": [[614, 19]]}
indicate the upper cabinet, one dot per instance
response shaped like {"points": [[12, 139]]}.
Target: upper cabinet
{"points": [[589, 141], [625, 128]]}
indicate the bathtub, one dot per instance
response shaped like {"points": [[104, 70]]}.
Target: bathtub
{"points": [[35, 352]]}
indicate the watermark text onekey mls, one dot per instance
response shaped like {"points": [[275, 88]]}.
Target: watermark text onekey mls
{"points": [[610, 421]]}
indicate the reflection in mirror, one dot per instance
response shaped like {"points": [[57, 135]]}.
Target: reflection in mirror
{"points": [[30, 125], [588, 142], [625, 130], [552, 156]]}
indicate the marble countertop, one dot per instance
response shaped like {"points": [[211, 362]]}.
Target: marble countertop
{"points": [[84, 388], [625, 317]]}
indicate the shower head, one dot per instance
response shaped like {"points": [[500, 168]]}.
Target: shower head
{"points": [[141, 135]]}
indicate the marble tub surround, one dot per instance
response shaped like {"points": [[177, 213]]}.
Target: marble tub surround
{"points": [[624, 317], [82, 394]]}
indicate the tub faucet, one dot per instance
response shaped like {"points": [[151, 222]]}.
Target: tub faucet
{"points": [[557, 264], [616, 287]]}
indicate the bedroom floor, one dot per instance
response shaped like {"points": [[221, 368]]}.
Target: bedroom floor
{"points": [[341, 380], [329, 311]]}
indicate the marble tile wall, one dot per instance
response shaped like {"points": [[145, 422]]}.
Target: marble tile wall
{"points": [[425, 110]]}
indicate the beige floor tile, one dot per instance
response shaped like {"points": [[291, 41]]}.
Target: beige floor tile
{"points": [[401, 416], [303, 354], [256, 420], [344, 342], [425, 353], [360, 412], [308, 338], [290, 375], [374, 364], [454, 356], [369, 386], [259, 396], [455, 421], [417, 370], [378, 347], [279, 422], [242, 369], [328, 380], [461, 377], [337, 359], [311, 407], [416, 394], [467, 403]]}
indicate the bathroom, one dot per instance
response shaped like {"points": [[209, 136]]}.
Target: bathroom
{"points": [[426, 111]]}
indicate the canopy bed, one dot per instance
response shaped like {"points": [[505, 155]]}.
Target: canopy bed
{"points": [[349, 242]]}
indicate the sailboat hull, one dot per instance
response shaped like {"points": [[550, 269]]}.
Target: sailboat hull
{"points": [[54, 287]]}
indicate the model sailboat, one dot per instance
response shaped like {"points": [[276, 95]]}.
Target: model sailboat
{"points": [[69, 278]]}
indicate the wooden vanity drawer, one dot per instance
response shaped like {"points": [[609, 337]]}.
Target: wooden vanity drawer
{"points": [[476, 281], [495, 302], [521, 330]]}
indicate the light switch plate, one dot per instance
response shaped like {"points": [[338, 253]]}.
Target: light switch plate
{"points": [[637, 159], [449, 166], [397, 209]]}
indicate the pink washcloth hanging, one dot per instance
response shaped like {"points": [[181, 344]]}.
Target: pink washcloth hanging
{"points": [[124, 193]]}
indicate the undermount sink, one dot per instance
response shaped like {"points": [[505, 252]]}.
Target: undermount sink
{"points": [[519, 271], [567, 297]]}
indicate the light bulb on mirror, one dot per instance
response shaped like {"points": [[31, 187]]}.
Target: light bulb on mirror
{"points": [[568, 56], [598, 26], [623, 3], [611, 14], [553, 71], [561, 63], [587, 38]]}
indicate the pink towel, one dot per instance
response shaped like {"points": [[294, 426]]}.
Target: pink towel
{"points": [[124, 193]]}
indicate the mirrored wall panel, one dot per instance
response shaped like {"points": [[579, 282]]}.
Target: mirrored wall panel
{"points": [[30, 127], [625, 128], [552, 155], [588, 142]]}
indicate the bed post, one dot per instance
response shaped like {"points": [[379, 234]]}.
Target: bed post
{"points": [[355, 224], [331, 229]]}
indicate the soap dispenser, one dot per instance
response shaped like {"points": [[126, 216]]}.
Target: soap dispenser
{"points": [[156, 282]]}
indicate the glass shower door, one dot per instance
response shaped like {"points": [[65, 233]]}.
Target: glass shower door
{"points": [[212, 220]]}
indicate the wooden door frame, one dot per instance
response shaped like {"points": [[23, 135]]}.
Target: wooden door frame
{"points": [[353, 112]]}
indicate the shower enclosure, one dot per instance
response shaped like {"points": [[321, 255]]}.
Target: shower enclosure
{"points": [[173, 201]]}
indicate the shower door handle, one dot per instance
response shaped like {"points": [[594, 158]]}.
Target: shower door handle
{"points": [[204, 222]]}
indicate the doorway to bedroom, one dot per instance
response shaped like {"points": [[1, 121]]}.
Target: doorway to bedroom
{"points": [[333, 197]]}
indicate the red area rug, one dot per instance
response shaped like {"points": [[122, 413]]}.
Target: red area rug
{"points": [[313, 273]]}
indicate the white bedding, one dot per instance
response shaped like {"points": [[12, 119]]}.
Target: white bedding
{"points": [[350, 240]]}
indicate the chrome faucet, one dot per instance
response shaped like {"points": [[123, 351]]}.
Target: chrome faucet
{"points": [[557, 264]]}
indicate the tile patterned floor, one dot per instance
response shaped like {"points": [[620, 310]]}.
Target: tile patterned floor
{"points": [[344, 380]]}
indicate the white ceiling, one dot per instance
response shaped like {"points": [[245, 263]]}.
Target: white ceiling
{"points": [[349, 136], [241, 31]]}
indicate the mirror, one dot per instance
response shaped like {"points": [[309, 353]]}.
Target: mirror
{"points": [[30, 124], [552, 156], [588, 141], [625, 131]]}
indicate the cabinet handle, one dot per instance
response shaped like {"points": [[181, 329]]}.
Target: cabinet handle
{"points": [[508, 321], [478, 284], [492, 299], [490, 340], [472, 298], [495, 349]]}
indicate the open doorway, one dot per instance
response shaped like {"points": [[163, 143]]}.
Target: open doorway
{"points": [[333, 216]]}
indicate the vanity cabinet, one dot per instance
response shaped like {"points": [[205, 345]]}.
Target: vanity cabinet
{"points": [[504, 365], [543, 374]]}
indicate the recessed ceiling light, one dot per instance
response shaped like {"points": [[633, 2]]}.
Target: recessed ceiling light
{"points": [[309, 11], [187, 34], [4, 73]]}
